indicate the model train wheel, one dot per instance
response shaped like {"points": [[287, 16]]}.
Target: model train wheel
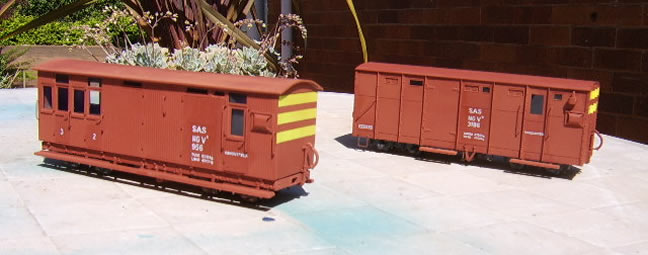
{"points": [[412, 149], [516, 166], [384, 146], [102, 170]]}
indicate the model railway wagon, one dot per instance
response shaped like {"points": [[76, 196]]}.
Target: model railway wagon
{"points": [[247, 135], [537, 121]]}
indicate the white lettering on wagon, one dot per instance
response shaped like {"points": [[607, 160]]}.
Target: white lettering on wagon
{"points": [[365, 126], [236, 154], [534, 133], [475, 117], [199, 138]]}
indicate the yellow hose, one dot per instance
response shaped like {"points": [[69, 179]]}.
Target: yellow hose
{"points": [[363, 43]]}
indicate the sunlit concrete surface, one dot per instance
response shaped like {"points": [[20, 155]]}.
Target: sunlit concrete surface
{"points": [[362, 202]]}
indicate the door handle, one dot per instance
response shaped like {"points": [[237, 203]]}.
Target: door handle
{"points": [[517, 122]]}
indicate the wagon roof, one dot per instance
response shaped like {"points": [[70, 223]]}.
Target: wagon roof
{"points": [[501, 78], [228, 82]]}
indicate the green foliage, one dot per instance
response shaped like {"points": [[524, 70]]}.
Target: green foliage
{"points": [[57, 33], [60, 32], [10, 68], [42, 7], [215, 59]]}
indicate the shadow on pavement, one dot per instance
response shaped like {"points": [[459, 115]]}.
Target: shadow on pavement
{"points": [[491, 163], [281, 197]]}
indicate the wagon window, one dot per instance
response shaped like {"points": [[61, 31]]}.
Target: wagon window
{"points": [[237, 98], [486, 89], [62, 99], [79, 101], [133, 84], [47, 97], [537, 104], [197, 91], [416, 82], [557, 97], [238, 122], [94, 82], [61, 78], [95, 102]]}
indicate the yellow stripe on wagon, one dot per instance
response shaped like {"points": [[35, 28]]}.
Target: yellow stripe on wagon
{"points": [[595, 93], [294, 116], [295, 99], [296, 133], [592, 108]]}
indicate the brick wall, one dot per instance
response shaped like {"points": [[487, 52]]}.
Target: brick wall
{"points": [[605, 41]]}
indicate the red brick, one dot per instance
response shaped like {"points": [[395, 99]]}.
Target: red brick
{"points": [[453, 16], [413, 16], [631, 83], [644, 62], [423, 32], [475, 33], [446, 33], [498, 53], [509, 34], [516, 15], [633, 128], [606, 123], [616, 103], [632, 38], [617, 59], [602, 76], [593, 36], [457, 3], [602, 15], [570, 56], [387, 17], [453, 50], [532, 55], [397, 32], [641, 107], [549, 35]]}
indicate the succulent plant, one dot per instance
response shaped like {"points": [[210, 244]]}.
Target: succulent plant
{"points": [[214, 59], [187, 58]]}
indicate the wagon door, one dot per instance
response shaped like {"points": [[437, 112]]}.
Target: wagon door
{"points": [[62, 109], [388, 107], [533, 132], [409, 130], [506, 127], [235, 135], [440, 109], [202, 114], [474, 117]]}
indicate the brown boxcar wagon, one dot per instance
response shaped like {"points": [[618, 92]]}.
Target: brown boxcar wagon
{"points": [[531, 120], [247, 135]]}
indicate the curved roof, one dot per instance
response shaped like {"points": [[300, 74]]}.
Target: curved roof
{"points": [[501, 78], [227, 82]]}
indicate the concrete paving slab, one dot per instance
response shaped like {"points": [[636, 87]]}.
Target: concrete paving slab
{"points": [[592, 227], [638, 248], [152, 241], [252, 236], [9, 197], [106, 215], [28, 246], [437, 181], [17, 223], [517, 204], [455, 215], [580, 194], [362, 202], [521, 238], [67, 189]]}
